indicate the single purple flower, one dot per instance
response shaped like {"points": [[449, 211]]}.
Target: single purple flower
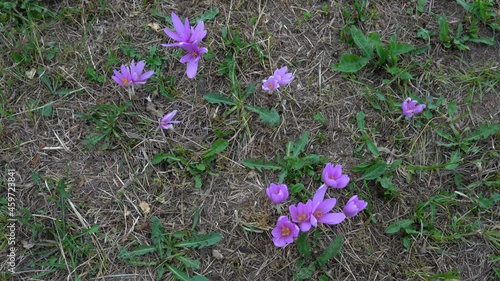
{"points": [[282, 77], [166, 121], [123, 78], [192, 58], [321, 209], [270, 84], [410, 107], [132, 75], [278, 193], [184, 33], [285, 232], [136, 72], [354, 206], [301, 215], [333, 177]]}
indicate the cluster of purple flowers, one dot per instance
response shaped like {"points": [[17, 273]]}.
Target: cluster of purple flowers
{"points": [[280, 78], [188, 38], [308, 214]]}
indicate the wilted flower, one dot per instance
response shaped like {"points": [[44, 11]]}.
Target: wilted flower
{"points": [[285, 232], [282, 77], [192, 58], [132, 75], [278, 193], [166, 121], [333, 177], [301, 214], [354, 206], [410, 107], [270, 84], [184, 33], [321, 209]]}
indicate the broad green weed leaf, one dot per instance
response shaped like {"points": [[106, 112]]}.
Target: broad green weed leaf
{"points": [[300, 145], [443, 29], [331, 251], [268, 116], [215, 98], [190, 263], [260, 164], [303, 245], [200, 241], [362, 43], [350, 63], [178, 273], [140, 251], [374, 171], [217, 147], [360, 117], [397, 226], [159, 157], [399, 49], [208, 15]]}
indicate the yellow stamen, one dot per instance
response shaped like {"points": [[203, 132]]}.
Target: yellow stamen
{"points": [[302, 217], [125, 81], [318, 214], [285, 231]]}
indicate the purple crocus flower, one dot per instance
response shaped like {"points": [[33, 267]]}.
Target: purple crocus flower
{"points": [[192, 58], [410, 107], [282, 77], [184, 33], [132, 75], [333, 177], [354, 206], [321, 209], [301, 215], [285, 232], [166, 121], [278, 193], [270, 84]]}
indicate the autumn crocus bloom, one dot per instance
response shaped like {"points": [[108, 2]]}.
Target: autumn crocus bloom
{"points": [[354, 206], [166, 121], [278, 193], [270, 84], [321, 209], [285, 232], [410, 107], [192, 58], [184, 33], [132, 75], [282, 77], [333, 177], [301, 214]]}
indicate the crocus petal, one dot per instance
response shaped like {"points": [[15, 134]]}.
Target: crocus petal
{"points": [[276, 232], [327, 205], [342, 181], [192, 68], [186, 58], [419, 108], [146, 75], [332, 218], [172, 35], [319, 196], [173, 44], [314, 221], [179, 27], [305, 226], [279, 242], [118, 80], [198, 33]]}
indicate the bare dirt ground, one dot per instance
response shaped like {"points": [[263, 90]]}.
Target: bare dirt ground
{"points": [[106, 186]]}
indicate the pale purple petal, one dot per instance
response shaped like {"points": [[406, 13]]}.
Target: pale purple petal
{"points": [[342, 181], [146, 75], [419, 108], [172, 35], [319, 196], [332, 218], [186, 58], [305, 226], [279, 242], [192, 68], [327, 205]]}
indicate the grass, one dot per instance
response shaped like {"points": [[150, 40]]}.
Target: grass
{"points": [[102, 193]]}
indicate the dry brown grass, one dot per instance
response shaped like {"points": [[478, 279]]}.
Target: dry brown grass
{"points": [[107, 186]]}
